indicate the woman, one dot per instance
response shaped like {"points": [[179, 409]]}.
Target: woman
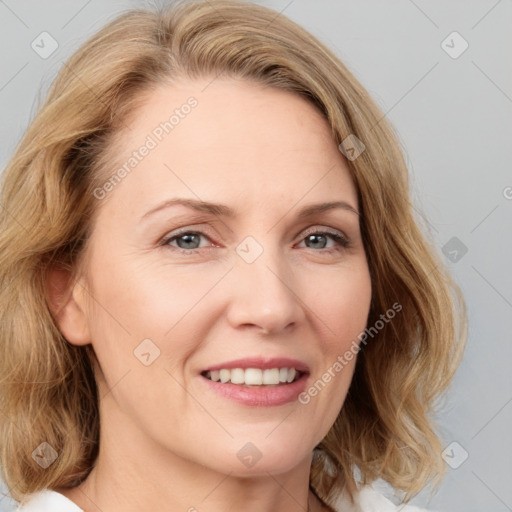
{"points": [[215, 294]]}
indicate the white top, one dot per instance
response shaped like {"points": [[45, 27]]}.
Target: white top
{"points": [[49, 501], [367, 500]]}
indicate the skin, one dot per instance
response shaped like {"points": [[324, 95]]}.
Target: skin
{"points": [[167, 441]]}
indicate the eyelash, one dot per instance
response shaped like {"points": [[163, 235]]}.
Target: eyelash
{"points": [[339, 239]]}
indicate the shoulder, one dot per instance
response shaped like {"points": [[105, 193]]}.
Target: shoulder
{"points": [[370, 499], [48, 501]]}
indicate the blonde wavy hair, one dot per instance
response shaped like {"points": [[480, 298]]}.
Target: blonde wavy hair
{"points": [[48, 393]]}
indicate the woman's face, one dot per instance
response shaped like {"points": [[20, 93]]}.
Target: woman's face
{"points": [[176, 290]]}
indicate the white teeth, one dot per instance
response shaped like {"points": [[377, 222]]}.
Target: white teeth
{"points": [[253, 376], [271, 376], [237, 376]]}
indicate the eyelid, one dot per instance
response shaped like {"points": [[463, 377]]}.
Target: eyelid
{"points": [[324, 229], [185, 231], [202, 231], [340, 239]]}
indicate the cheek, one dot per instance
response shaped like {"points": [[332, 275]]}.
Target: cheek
{"points": [[341, 310], [134, 302], [343, 305], [148, 299]]}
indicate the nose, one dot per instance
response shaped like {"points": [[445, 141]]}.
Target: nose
{"points": [[265, 296]]}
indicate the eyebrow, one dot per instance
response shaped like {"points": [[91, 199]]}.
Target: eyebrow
{"points": [[226, 211]]}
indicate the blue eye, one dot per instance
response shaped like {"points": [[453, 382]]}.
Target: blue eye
{"points": [[317, 237], [189, 241]]}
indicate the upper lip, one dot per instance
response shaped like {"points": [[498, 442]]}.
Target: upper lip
{"points": [[263, 363]]}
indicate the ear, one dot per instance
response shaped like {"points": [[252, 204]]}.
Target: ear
{"points": [[66, 301]]}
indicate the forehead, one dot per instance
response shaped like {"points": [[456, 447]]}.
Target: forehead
{"points": [[228, 140]]}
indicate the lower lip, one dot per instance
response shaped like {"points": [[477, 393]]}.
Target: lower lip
{"points": [[260, 396]]}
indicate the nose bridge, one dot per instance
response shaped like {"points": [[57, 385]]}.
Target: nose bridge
{"points": [[264, 289]]}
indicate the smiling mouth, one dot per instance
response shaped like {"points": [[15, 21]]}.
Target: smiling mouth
{"points": [[254, 377]]}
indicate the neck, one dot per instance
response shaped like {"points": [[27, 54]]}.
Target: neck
{"points": [[263, 494]]}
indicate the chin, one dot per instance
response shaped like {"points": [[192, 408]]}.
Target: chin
{"points": [[259, 458]]}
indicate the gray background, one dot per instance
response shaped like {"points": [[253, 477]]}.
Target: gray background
{"points": [[453, 116]]}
